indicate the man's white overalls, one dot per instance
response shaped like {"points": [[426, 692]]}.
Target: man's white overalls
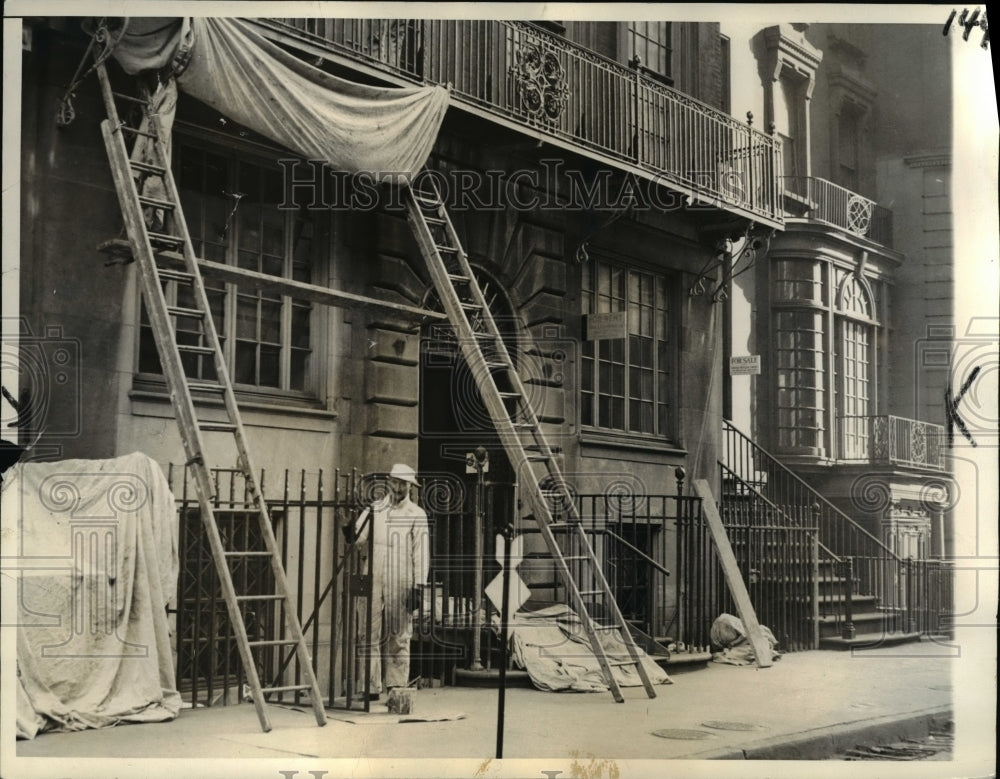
{"points": [[400, 565]]}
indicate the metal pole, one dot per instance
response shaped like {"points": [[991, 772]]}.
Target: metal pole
{"points": [[508, 537], [479, 457]]}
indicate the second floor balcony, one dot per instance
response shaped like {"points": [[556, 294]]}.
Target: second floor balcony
{"points": [[529, 79], [835, 205], [891, 440]]}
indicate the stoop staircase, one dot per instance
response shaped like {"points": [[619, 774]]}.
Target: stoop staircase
{"points": [[828, 582]]}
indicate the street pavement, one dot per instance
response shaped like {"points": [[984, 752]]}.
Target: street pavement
{"points": [[807, 706]]}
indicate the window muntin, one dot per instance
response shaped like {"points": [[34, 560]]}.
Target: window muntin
{"points": [[231, 208], [650, 41], [800, 398], [626, 383], [854, 360]]}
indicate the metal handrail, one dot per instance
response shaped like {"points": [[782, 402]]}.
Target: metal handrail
{"points": [[761, 497], [788, 473], [523, 73], [842, 207], [636, 550]]}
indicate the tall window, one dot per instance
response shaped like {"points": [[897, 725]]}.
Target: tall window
{"points": [[627, 383], [848, 142], [790, 125], [231, 207], [854, 358], [799, 345], [650, 41]]}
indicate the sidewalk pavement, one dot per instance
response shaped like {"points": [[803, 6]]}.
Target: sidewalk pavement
{"points": [[806, 706]]}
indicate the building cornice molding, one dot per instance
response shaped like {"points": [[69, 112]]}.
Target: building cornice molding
{"points": [[934, 159], [787, 46]]}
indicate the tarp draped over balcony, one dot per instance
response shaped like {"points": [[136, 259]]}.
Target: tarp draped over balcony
{"points": [[226, 64]]}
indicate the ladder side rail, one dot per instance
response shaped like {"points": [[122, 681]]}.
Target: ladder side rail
{"points": [[492, 330], [511, 439], [179, 393], [181, 396], [232, 411]]}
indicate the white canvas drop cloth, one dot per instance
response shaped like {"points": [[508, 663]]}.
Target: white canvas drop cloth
{"points": [[387, 132], [95, 560], [550, 644]]}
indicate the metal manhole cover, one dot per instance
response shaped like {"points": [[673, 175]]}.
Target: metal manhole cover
{"points": [[681, 733], [724, 725]]}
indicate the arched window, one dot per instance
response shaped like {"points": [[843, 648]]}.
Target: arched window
{"points": [[855, 366]]}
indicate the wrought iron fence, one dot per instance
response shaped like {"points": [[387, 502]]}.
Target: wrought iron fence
{"points": [[887, 439], [835, 205], [306, 510], [521, 73]]}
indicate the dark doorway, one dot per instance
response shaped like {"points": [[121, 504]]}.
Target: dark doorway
{"points": [[454, 421]]}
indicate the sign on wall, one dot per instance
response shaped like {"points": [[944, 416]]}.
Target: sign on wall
{"points": [[745, 365], [600, 327]]}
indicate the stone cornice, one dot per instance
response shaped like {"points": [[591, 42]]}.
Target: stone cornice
{"points": [[934, 159]]}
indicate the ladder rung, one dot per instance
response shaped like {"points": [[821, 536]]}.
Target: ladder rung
{"points": [[447, 249], [235, 509], [248, 554], [137, 131], [470, 305], [130, 98], [621, 662], [274, 642], [157, 202], [422, 196], [434, 220], [243, 598], [290, 688], [195, 349], [166, 239], [148, 167], [591, 592], [458, 278], [576, 557], [539, 458], [193, 313], [511, 396], [597, 626], [181, 276], [217, 427], [205, 386]]}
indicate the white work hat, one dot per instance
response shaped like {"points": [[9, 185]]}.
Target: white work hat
{"points": [[403, 473]]}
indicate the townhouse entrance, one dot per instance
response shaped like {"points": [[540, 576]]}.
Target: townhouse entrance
{"points": [[454, 423]]}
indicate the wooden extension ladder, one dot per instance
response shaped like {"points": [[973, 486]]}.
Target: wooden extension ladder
{"points": [[520, 432], [164, 257]]}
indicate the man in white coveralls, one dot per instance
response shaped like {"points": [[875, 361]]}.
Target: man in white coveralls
{"points": [[399, 568]]}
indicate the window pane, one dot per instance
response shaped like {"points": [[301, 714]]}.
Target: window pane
{"points": [[629, 373], [231, 209]]}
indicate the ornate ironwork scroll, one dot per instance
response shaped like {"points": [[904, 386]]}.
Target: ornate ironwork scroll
{"points": [[540, 81]]}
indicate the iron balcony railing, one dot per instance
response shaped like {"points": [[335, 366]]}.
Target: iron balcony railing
{"points": [[840, 207], [891, 440], [527, 76]]}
